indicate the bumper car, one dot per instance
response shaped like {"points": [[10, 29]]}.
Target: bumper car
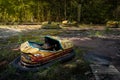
{"points": [[35, 56]]}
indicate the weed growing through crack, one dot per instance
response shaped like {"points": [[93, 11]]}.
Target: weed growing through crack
{"points": [[19, 39], [107, 30]]}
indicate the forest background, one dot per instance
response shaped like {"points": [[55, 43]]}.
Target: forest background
{"points": [[35, 11]]}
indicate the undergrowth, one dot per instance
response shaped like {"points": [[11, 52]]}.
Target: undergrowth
{"points": [[71, 70], [74, 69]]}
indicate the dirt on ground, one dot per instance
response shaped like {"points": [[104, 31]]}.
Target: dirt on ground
{"points": [[108, 45], [11, 30]]}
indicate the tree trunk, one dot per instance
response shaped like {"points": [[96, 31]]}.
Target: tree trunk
{"points": [[79, 12], [65, 11]]}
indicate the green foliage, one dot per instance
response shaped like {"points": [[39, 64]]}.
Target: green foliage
{"points": [[19, 39], [108, 30], [93, 33], [98, 33], [92, 11], [99, 11]]}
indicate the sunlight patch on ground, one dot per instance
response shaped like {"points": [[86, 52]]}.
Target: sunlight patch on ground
{"points": [[12, 30], [4, 33]]}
